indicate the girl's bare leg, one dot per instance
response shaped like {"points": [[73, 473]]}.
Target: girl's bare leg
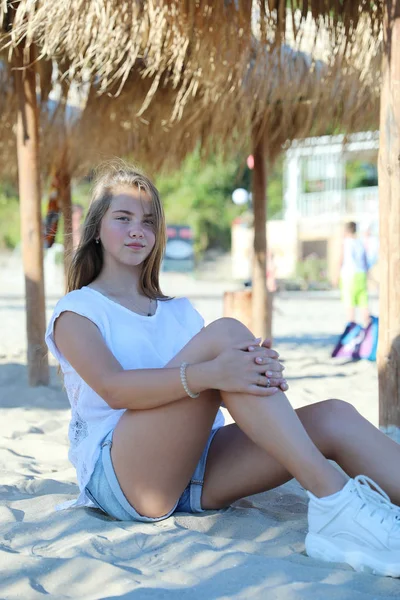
{"points": [[237, 467], [273, 425], [155, 452]]}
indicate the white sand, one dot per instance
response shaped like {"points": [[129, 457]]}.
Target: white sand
{"points": [[253, 550]]}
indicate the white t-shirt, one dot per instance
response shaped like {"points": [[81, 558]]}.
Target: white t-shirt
{"points": [[354, 258], [137, 342]]}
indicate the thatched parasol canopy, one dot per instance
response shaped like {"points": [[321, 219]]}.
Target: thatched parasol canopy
{"points": [[184, 44], [286, 96], [182, 71]]}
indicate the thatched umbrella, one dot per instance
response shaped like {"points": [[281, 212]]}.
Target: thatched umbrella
{"points": [[105, 38], [342, 19], [284, 95], [294, 97]]}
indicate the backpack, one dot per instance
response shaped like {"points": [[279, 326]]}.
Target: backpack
{"points": [[348, 342], [357, 342], [369, 344]]}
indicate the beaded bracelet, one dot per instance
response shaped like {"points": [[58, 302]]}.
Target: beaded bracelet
{"points": [[184, 381]]}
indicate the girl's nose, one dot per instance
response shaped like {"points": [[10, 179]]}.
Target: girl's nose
{"points": [[136, 230]]}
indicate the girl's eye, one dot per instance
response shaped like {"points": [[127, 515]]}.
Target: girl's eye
{"points": [[149, 221], [122, 218]]}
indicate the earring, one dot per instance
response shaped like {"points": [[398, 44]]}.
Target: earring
{"points": [[97, 241]]}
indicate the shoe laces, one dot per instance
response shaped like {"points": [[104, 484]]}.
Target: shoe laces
{"points": [[376, 499]]}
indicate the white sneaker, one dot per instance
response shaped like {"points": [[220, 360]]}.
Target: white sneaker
{"points": [[358, 526]]}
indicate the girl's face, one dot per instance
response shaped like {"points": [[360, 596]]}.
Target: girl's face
{"points": [[127, 229]]}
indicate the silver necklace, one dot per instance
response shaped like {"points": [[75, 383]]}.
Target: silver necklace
{"points": [[142, 311], [139, 310]]}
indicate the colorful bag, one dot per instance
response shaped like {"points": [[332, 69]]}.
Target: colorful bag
{"points": [[369, 344], [357, 342], [348, 342]]}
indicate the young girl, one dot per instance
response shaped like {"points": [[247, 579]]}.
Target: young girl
{"points": [[146, 380]]}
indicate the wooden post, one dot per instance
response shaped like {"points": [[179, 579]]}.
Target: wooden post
{"points": [[389, 201], [238, 305], [260, 324], [31, 219], [66, 207]]}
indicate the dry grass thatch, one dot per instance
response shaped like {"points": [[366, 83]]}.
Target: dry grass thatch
{"points": [[186, 41], [283, 98], [178, 72], [284, 95]]}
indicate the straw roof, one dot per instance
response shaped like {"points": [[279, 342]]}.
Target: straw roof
{"points": [[188, 42], [284, 95], [104, 40], [172, 78]]}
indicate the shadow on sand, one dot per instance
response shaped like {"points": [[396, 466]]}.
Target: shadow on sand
{"points": [[16, 393]]}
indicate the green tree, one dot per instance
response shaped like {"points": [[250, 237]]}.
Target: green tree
{"points": [[199, 194], [9, 217]]}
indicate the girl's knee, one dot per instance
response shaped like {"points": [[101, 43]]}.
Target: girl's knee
{"points": [[226, 332], [335, 415], [329, 421], [339, 408], [230, 329], [154, 504]]}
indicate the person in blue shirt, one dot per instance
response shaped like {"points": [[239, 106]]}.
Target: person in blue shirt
{"points": [[353, 275]]}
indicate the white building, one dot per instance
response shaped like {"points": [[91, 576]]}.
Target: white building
{"points": [[317, 198], [317, 203]]}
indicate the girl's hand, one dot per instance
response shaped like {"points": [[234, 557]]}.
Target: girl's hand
{"points": [[236, 370], [266, 356]]}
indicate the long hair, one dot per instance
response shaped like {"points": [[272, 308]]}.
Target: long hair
{"points": [[87, 261]]}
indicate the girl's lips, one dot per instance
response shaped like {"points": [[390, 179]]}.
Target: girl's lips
{"points": [[135, 245]]}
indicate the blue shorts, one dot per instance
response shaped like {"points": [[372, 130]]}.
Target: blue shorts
{"points": [[106, 494]]}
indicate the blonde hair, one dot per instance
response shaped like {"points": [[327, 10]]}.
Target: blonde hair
{"points": [[87, 261]]}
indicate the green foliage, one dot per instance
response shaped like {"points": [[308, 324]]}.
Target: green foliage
{"points": [[9, 218], [275, 189], [360, 174], [81, 194], [312, 272], [200, 195]]}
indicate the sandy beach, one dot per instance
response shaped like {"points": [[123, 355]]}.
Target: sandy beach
{"points": [[253, 550]]}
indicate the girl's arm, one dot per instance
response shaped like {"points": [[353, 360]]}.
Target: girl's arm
{"points": [[82, 344]]}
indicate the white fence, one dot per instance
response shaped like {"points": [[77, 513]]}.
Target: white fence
{"points": [[357, 202]]}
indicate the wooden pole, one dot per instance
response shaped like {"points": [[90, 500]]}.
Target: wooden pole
{"points": [[66, 207], [389, 201], [31, 219], [260, 322]]}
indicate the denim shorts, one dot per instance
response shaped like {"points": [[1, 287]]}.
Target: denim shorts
{"points": [[106, 494]]}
